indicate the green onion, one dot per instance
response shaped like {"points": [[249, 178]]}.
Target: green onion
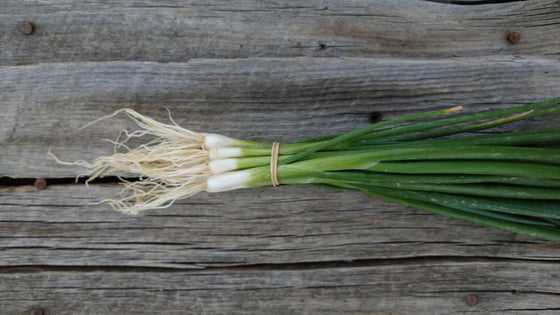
{"points": [[506, 180]]}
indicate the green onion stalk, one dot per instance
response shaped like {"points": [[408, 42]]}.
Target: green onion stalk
{"points": [[431, 161]]}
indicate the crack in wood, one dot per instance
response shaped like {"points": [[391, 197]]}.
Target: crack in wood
{"points": [[26, 181], [316, 265], [475, 2]]}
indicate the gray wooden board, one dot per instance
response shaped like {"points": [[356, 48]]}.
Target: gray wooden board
{"points": [[401, 287], [279, 225], [285, 99], [270, 71], [177, 31]]}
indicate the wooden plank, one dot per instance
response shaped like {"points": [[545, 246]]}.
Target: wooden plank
{"points": [[250, 70], [281, 225], [177, 31], [284, 99], [406, 287]]}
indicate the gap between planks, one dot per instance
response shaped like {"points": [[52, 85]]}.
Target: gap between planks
{"points": [[359, 263]]}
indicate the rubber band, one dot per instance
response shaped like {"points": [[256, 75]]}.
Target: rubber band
{"points": [[274, 163]]}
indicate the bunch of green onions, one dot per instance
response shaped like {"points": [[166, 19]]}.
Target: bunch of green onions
{"points": [[508, 180]]}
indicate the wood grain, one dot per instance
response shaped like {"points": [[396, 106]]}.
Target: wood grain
{"points": [[260, 70], [400, 287], [282, 225], [257, 99], [177, 31]]}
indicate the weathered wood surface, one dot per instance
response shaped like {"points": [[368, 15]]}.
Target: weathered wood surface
{"points": [[239, 70], [176, 31], [410, 287], [282, 100], [283, 225]]}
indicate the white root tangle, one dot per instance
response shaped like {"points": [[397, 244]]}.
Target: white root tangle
{"points": [[174, 165]]}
